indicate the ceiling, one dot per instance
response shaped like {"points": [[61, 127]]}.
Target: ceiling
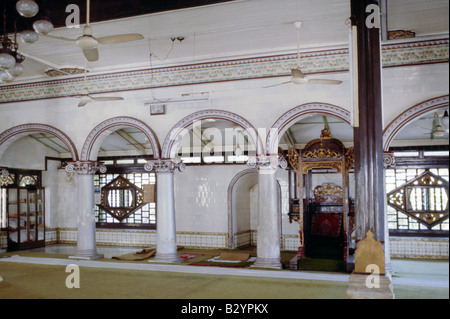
{"points": [[100, 10], [212, 31]]}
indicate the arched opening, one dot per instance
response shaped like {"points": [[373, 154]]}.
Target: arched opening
{"points": [[411, 123], [123, 144], [417, 142], [29, 201], [212, 136], [243, 209], [321, 184], [121, 134], [285, 123]]}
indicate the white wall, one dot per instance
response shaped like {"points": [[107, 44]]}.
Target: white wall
{"points": [[201, 198], [26, 153]]}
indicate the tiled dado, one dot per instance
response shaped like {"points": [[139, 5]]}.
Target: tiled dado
{"points": [[400, 54], [419, 248], [3, 240], [145, 238], [288, 242], [138, 238]]}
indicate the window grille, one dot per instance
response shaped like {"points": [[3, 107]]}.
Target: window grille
{"points": [[417, 199]]}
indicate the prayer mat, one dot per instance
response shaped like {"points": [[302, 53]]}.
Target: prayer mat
{"points": [[189, 256], [216, 262], [233, 257], [140, 255]]}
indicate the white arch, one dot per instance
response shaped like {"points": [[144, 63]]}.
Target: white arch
{"points": [[290, 117], [410, 115], [180, 128], [250, 178], [13, 134], [101, 131]]}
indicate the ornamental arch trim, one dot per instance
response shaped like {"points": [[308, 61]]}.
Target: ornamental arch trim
{"points": [[11, 135], [101, 131], [188, 121], [410, 115], [288, 118]]}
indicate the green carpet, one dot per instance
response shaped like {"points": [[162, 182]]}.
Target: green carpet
{"points": [[31, 281], [27, 281], [321, 264]]}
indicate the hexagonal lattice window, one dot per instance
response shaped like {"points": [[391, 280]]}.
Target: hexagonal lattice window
{"points": [[424, 198], [120, 198]]}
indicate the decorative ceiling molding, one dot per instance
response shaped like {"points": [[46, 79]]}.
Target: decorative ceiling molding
{"points": [[401, 54]]}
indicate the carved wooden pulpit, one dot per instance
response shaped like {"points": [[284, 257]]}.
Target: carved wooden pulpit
{"points": [[323, 211]]}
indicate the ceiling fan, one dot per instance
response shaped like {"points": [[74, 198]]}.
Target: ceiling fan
{"points": [[89, 44], [86, 98], [298, 77], [437, 129]]}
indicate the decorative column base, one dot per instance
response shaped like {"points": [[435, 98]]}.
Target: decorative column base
{"points": [[361, 286], [86, 255], [272, 263], [167, 259]]}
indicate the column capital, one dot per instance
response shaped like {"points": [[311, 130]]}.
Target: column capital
{"points": [[164, 165], [389, 159], [267, 162], [85, 167]]}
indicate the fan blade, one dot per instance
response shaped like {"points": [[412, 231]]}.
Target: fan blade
{"points": [[91, 54], [83, 101], [270, 86], [120, 38], [58, 38], [321, 81], [106, 98]]}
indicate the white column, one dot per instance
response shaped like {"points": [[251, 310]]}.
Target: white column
{"points": [[269, 237], [3, 172], [166, 242], [86, 242]]}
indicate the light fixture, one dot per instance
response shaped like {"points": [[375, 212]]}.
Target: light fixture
{"points": [[43, 26], [6, 77], [6, 59], [10, 57], [29, 36], [16, 70], [27, 8], [439, 131]]}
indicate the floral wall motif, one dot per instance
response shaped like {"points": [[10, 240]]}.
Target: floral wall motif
{"points": [[337, 60]]}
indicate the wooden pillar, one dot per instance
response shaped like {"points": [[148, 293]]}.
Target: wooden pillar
{"points": [[368, 150], [368, 135]]}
